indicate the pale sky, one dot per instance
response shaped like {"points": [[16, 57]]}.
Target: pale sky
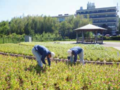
{"points": [[16, 8]]}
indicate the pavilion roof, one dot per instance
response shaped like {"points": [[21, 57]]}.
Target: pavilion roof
{"points": [[89, 27]]}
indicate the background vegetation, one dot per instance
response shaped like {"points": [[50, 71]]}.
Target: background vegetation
{"points": [[32, 25]]}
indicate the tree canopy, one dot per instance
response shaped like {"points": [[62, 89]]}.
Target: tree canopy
{"points": [[31, 25]]}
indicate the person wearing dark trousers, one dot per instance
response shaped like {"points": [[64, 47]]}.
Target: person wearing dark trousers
{"points": [[41, 52], [73, 52]]}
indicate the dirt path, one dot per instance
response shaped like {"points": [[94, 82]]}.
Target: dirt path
{"points": [[112, 44], [61, 60]]}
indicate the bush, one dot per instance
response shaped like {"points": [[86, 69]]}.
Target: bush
{"points": [[112, 38], [49, 37], [12, 38]]}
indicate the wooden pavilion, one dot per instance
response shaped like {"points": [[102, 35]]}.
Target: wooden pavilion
{"points": [[90, 28]]}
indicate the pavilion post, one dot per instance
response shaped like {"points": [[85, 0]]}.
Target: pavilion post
{"points": [[82, 37], [93, 37], [76, 37], [102, 36], [96, 36]]}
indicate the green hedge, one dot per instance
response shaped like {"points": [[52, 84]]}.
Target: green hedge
{"points": [[112, 38]]}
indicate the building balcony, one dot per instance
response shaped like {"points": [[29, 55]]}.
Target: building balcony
{"points": [[105, 21], [96, 12], [103, 16]]}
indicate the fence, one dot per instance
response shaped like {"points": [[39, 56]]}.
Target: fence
{"points": [[12, 39], [90, 40], [36, 39], [16, 39]]}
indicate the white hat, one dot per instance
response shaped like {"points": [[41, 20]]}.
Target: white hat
{"points": [[52, 54], [69, 52]]}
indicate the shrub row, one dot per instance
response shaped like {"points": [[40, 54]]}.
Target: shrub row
{"points": [[112, 38]]}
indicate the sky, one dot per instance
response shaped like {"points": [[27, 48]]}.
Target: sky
{"points": [[16, 8]]}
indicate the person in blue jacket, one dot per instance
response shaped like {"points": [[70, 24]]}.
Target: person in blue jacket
{"points": [[40, 52], [73, 52]]}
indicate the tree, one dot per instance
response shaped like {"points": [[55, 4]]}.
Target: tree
{"points": [[4, 27], [67, 27], [31, 25]]}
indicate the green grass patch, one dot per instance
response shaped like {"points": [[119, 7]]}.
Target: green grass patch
{"points": [[91, 52], [24, 74]]}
